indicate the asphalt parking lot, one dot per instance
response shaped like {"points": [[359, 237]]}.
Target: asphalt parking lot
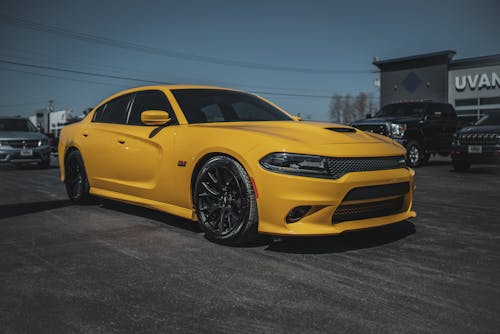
{"points": [[112, 267]]}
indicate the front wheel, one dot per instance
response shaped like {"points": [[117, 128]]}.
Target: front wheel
{"points": [[225, 202], [76, 182], [415, 155]]}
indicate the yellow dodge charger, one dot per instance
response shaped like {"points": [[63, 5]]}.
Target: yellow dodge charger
{"points": [[236, 163]]}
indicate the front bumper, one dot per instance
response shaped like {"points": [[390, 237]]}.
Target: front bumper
{"points": [[490, 154], [279, 193], [13, 155]]}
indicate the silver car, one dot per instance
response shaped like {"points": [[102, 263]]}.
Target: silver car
{"points": [[20, 142]]}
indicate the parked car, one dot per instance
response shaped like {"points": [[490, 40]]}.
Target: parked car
{"points": [[236, 163], [20, 142], [478, 144], [424, 128]]}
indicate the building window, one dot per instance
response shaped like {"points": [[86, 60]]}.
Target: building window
{"points": [[465, 102], [489, 100]]}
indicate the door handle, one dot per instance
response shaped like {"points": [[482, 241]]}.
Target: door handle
{"points": [[121, 141], [85, 134]]}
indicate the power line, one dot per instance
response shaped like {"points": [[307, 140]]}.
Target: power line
{"points": [[22, 104], [109, 76], [126, 45], [118, 70], [59, 69], [60, 77]]}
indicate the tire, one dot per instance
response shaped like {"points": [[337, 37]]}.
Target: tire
{"points": [[415, 155], [76, 182], [225, 202], [461, 165]]}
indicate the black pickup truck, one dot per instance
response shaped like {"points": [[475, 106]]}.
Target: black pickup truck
{"points": [[424, 128]]}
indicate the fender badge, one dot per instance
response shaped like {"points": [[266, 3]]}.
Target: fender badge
{"points": [[181, 163]]}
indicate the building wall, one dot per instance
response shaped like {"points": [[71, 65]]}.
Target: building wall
{"points": [[474, 91], [423, 83]]}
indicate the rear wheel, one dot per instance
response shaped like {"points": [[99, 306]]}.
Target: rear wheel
{"points": [[415, 155], [225, 202], [77, 184]]}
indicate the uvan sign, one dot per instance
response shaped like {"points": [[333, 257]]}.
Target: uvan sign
{"points": [[477, 81]]}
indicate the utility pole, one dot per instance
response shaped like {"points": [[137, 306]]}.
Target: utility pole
{"points": [[50, 109]]}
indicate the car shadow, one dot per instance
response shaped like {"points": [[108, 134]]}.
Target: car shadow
{"points": [[480, 169], [19, 209], [344, 242], [157, 216], [301, 245], [432, 163], [26, 166]]}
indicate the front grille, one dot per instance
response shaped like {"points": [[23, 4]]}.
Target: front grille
{"points": [[338, 167], [20, 143], [368, 210], [381, 129], [478, 138]]}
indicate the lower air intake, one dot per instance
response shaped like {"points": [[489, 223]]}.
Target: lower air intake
{"points": [[368, 210]]}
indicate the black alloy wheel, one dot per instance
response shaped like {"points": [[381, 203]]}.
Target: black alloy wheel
{"points": [[415, 155], [225, 201], [77, 185]]}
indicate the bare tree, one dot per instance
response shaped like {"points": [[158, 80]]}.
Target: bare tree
{"points": [[360, 105], [336, 108], [347, 110]]}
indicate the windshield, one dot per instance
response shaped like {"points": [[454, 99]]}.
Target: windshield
{"points": [[217, 105], [401, 109], [17, 124], [490, 119]]}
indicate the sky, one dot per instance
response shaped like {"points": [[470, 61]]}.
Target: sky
{"points": [[294, 53]]}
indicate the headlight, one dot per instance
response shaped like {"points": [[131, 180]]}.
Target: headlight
{"points": [[397, 130], [297, 164], [43, 142]]}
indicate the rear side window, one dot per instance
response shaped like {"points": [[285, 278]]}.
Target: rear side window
{"points": [[149, 100], [98, 113], [115, 111]]}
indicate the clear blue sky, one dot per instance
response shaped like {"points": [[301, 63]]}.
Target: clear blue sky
{"points": [[324, 35]]}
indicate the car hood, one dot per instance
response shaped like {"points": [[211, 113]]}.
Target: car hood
{"points": [[314, 133], [379, 120], [481, 129], [308, 137], [19, 135]]}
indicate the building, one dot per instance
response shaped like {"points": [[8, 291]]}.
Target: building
{"points": [[471, 85], [51, 122]]}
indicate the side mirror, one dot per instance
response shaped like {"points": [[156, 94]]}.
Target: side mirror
{"points": [[155, 117]]}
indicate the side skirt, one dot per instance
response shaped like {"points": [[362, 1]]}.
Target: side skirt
{"points": [[168, 208]]}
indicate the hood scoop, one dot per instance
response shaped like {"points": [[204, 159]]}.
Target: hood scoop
{"points": [[351, 130]]}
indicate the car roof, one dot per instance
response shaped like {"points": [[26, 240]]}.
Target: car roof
{"points": [[169, 87]]}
